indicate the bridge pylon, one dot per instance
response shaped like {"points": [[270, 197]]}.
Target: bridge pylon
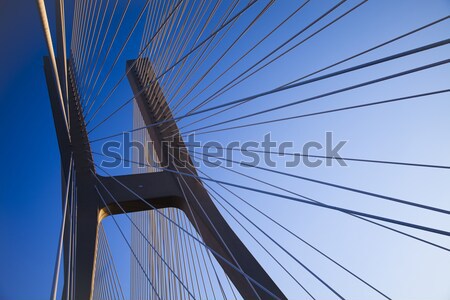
{"points": [[159, 189]]}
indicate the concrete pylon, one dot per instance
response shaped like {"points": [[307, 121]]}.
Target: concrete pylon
{"points": [[160, 189]]}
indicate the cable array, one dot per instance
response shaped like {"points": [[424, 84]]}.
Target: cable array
{"points": [[214, 69]]}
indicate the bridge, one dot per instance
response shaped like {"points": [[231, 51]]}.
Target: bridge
{"points": [[184, 234]]}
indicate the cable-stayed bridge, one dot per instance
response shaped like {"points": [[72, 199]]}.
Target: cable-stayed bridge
{"points": [[160, 72]]}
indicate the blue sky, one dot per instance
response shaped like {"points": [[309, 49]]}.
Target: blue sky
{"points": [[414, 131]]}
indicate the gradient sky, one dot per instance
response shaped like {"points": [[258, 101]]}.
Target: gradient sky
{"points": [[416, 131]]}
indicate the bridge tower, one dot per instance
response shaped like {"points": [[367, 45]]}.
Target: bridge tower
{"points": [[159, 189]]}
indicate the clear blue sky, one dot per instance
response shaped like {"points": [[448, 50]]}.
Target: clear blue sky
{"points": [[416, 131]]}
